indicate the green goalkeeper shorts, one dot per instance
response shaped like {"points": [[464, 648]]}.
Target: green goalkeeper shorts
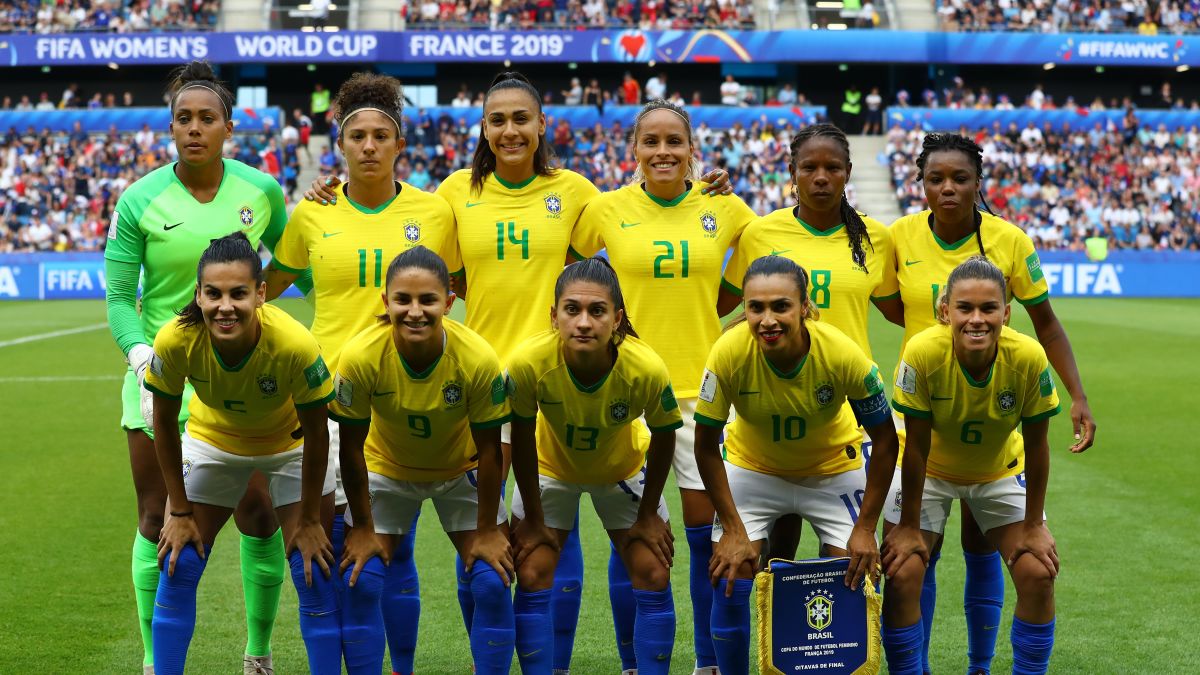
{"points": [[131, 407]]}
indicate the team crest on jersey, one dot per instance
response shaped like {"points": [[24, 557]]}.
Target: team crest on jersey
{"points": [[818, 609], [187, 467], [267, 385], [1007, 400], [824, 394], [708, 223], [452, 394], [618, 410], [247, 215], [412, 230], [554, 204]]}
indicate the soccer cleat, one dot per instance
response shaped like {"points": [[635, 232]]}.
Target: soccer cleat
{"points": [[707, 670], [631, 671], [257, 665]]}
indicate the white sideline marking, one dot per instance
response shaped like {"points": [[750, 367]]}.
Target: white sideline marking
{"points": [[52, 334], [62, 378]]}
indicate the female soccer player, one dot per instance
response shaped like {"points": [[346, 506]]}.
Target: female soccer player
{"points": [[161, 225], [792, 447], [928, 245], [257, 373], [421, 400], [667, 243], [577, 392], [346, 246], [964, 387], [848, 257]]}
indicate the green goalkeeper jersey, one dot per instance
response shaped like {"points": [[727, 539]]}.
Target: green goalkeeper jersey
{"points": [[160, 225]]}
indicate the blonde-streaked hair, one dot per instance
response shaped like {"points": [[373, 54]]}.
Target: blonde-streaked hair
{"points": [[693, 170]]}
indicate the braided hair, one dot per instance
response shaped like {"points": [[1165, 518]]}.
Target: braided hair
{"points": [[944, 142], [856, 228]]}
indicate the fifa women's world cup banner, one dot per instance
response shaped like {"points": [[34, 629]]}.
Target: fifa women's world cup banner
{"points": [[808, 620]]}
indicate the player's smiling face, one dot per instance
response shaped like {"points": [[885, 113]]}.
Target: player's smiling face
{"points": [[775, 312], [976, 311], [371, 144], [513, 124], [415, 303], [820, 169], [663, 149], [228, 296], [951, 185], [585, 317], [199, 126]]}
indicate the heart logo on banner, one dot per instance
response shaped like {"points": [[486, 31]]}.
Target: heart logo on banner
{"points": [[633, 44]]}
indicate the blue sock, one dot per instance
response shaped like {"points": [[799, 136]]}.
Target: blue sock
{"points": [[339, 535], [175, 611], [624, 608], [1031, 645], [363, 637], [401, 602], [566, 598], [535, 636], [700, 544], [654, 631], [493, 632], [731, 626], [320, 620], [928, 604], [983, 601], [902, 646], [466, 603]]}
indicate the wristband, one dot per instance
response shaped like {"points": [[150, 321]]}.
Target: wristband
{"points": [[182, 514]]}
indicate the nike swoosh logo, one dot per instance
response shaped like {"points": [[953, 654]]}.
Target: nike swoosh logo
{"points": [[471, 205], [626, 643], [942, 398], [408, 591], [550, 402], [662, 657], [786, 250], [990, 627], [745, 393], [326, 235], [524, 656], [625, 225], [569, 589], [382, 393], [492, 643], [167, 228], [908, 262], [719, 638]]}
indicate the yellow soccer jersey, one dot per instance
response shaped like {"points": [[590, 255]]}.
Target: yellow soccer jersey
{"points": [[590, 434], [975, 437], [349, 248], [668, 257], [924, 262], [246, 408], [420, 422], [514, 241], [792, 424], [839, 288]]}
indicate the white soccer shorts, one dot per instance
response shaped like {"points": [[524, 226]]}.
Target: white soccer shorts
{"points": [[994, 504], [616, 503], [213, 476], [395, 502], [829, 503]]}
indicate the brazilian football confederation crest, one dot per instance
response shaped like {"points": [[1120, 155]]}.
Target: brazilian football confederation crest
{"points": [[554, 204], [824, 394], [818, 610], [246, 214], [267, 385], [618, 410], [452, 394], [412, 231], [1007, 400], [708, 223]]}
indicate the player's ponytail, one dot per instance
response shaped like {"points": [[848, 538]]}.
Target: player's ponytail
{"points": [[943, 142], [199, 75], [771, 265], [416, 257], [693, 170], [483, 163], [597, 270], [232, 248], [856, 227], [976, 267]]}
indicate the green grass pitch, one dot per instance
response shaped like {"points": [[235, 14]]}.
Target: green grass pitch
{"points": [[1124, 514]]}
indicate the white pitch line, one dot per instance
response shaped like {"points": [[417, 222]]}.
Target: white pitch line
{"points": [[52, 334], [62, 378]]}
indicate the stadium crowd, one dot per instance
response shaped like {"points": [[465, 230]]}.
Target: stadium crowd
{"points": [[959, 96], [579, 14], [1136, 186], [1146, 17], [115, 16]]}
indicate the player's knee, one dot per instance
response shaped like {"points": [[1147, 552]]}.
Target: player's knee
{"points": [[651, 576], [536, 572], [905, 585], [188, 568], [370, 580], [487, 588], [318, 598], [1032, 579]]}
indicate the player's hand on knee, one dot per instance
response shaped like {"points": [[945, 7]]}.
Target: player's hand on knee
{"points": [[177, 533], [492, 547], [312, 542], [323, 190], [361, 545], [529, 535], [729, 553], [1037, 541], [864, 557], [656, 534], [903, 541], [139, 360]]}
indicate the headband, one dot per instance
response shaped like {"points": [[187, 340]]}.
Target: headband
{"points": [[669, 109], [200, 85], [352, 113]]}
